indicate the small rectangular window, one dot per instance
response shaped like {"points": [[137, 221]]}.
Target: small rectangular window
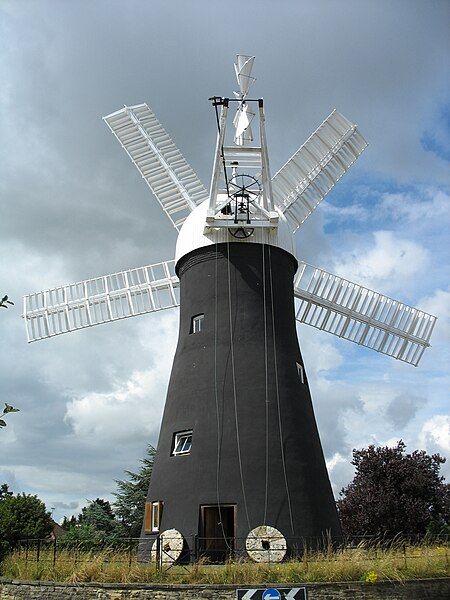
{"points": [[182, 443], [156, 515], [300, 372], [197, 323]]}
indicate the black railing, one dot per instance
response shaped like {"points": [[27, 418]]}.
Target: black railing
{"points": [[164, 551]]}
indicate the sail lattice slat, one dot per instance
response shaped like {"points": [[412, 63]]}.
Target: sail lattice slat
{"points": [[165, 170], [361, 315], [100, 300], [307, 177]]}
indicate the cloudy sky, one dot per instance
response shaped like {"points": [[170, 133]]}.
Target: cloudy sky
{"points": [[73, 207]]}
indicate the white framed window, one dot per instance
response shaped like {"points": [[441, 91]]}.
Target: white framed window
{"points": [[197, 323], [182, 443], [156, 515], [301, 373], [152, 518]]}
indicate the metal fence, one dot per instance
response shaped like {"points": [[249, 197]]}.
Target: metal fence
{"points": [[164, 551]]}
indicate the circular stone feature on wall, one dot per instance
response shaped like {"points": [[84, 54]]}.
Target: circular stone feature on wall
{"points": [[171, 546], [266, 544]]}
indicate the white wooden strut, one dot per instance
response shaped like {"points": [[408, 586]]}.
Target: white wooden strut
{"points": [[360, 315], [161, 164], [247, 158], [101, 300]]}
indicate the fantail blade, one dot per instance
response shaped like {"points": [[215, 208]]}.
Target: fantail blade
{"points": [[243, 68], [241, 121]]}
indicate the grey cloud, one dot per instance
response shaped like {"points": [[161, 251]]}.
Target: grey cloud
{"points": [[403, 408], [70, 505], [341, 474], [335, 401], [334, 410], [73, 206], [7, 476]]}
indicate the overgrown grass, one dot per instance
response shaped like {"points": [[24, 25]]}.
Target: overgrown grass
{"points": [[397, 563]]}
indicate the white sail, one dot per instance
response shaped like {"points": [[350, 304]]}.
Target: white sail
{"points": [[101, 300], [360, 315], [307, 177], [172, 180]]}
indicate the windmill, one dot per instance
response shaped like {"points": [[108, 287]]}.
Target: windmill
{"points": [[239, 464]]}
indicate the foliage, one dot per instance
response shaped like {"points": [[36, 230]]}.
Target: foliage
{"points": [[5, 301], [8, 409], [371, 577], [22, 516], [69, 522], [130, 499], [394, 492], [5, 491], [398, 562], [95, 524], [83, 535], [99, 515], [101, 522]]}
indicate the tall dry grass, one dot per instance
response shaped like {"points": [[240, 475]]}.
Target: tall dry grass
{"points": [[398, 562]]}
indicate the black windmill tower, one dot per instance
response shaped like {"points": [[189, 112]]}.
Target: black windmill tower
{"points": [[239, 463]]}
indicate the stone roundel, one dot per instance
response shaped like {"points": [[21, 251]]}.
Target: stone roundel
{"points": [[171, 546], [266, 544]]}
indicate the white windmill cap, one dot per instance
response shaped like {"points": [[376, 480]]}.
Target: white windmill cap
{"points": [[192, 236]]}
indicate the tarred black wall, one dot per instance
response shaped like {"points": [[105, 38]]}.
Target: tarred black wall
{"points": [[184, 483]]}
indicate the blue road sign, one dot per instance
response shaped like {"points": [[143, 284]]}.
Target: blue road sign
{"points": [[281, 593], [271, 594]]}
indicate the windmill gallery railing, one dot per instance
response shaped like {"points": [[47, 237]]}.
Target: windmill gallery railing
{"points": [[160, 551]]}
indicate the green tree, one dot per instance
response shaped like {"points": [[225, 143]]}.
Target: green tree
{"points": [[99, 515], [22, 517], [69, 522], [395, 493], [96, 524], [83, 535], [129, 505], [5, 491]]}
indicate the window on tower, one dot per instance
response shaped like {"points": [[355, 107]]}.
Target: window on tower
{"points": [[300, 372], [197, 323], [152, 517], [156, 515], [182, 443]]}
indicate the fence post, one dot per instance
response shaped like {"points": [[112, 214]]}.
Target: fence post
{"points": [[38, 553], [130, 551], [54, 551], [158, 553], [195, 547]]}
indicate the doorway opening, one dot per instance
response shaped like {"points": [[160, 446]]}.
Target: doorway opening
{"points": [[217, 531]]}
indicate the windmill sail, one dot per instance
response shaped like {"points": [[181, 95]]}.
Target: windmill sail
{"points": [[307, 177], [172, 180], [360, 315], [100, 300]]}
